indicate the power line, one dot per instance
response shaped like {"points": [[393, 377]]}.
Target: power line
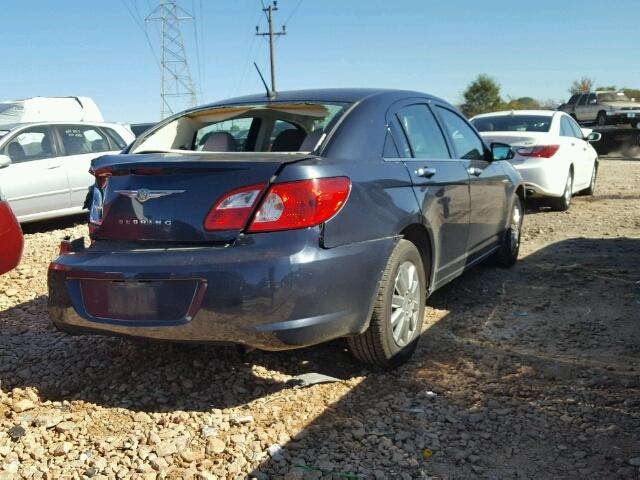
{"points": [[293, 12], [144, 31]]}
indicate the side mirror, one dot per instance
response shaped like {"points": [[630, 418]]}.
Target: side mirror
{"points": [[594, 137], [501, 151], [4, 161]]}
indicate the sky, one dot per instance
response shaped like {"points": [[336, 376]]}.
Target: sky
{"points": [[534, 48]]}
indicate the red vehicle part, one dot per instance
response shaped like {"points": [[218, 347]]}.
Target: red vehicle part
{"points": [[11, 240]]}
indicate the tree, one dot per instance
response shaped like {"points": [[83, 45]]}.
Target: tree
{"points": [[481, 96], [584, 85], [522, 103], [632, 93]]}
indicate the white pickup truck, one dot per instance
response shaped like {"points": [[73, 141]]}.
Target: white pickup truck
{"points": [[603, 108]]}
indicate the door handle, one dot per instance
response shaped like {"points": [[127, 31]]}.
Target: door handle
{"points": [[475, 171], [51, 167], [426, 172]]}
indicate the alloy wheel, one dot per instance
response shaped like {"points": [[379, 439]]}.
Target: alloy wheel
{"points": [[405, 304]]}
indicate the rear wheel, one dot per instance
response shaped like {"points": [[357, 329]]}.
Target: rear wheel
{"points": [[398, 311], [592, 185], [507, 255], [564, 202], [601, 119]]}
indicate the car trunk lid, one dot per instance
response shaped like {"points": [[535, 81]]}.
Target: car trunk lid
{"points": [[166, 197]]}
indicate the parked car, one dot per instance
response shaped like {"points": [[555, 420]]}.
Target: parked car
{"points": [[339, 226], [11, 241], [44, 167], [552, 153], [603, 108]]}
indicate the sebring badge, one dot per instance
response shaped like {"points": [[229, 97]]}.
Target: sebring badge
{"points": [[144, 195]]}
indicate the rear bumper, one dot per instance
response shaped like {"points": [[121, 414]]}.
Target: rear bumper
{"points": [[539, 179], [271, 291]]}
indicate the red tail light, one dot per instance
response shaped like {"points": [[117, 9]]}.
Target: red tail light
{"points": [[232, 211], [286, 206], [540, 151], [300, 204]]}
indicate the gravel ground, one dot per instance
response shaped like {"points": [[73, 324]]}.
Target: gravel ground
{"points": [[532, 372]]}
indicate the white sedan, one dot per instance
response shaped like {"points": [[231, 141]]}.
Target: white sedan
{"points": [[552, 153], [44, 166]]}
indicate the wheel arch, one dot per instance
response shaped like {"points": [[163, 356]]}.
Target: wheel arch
{"points": [[422, 238]]}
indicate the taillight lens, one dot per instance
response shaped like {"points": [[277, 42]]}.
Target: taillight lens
{"points": [[285, 206], [540, 151], [300, 204], [231, 212]]}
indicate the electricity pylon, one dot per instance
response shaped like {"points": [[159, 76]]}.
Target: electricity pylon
{"points": [[176, 83]]}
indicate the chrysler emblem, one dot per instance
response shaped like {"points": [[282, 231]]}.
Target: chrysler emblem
{"points": [[144, 195]]}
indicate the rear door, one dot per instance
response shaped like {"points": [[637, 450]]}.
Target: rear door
{"points": [[581, 111], [584, 157], [81, 144], [35, 183], [488, 185], [441, 183]]}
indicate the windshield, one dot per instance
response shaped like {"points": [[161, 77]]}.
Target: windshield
{"points": [[513, 123], [612, 97], [267, 127]]}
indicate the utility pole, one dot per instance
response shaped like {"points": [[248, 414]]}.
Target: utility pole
{"points": [[273, 7], [176, 83]]}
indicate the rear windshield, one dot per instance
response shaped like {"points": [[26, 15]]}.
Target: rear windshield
{"points": [[613, 97], [268, 127], [513, 123]]}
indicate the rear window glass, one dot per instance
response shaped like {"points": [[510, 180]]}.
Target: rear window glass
{"points": [[513, 123], [272, 127]]}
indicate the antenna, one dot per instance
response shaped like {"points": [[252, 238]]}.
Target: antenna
{"points": [[271, 34], [270, 94], [176, 83]]}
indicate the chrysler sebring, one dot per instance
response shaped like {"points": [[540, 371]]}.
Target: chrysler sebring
{"points": [[278, 223]]}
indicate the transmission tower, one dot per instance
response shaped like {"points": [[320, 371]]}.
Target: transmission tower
{"points": [[176, 84]]}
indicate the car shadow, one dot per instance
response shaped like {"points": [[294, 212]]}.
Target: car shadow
{"points": [[60, 223], [492, 391], [488, 367]]}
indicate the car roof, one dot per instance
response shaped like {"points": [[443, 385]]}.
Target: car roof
{"points": [[504, 113], [350, 95], [12, 126]]}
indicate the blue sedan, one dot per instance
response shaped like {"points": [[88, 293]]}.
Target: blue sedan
{"points": [[279, 223]]}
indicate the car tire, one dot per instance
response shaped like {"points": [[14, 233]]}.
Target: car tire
{"points": [[592, 185], [601, 119], [563, 203], [398, 311], [507, 254]]}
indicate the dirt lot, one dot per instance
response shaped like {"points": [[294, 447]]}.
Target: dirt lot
{"points": [[532, 372]]}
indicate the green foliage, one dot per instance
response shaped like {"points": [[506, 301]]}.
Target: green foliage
{"points": [[522, 103], [583, 85], [481, 96], [632, 93]]}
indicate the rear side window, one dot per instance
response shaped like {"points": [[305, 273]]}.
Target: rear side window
{"points": [[423, 133], [80, 139], [577, 132], [573, 99], [466, 142], [583, 100], [116, 139], [565, 127]]}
